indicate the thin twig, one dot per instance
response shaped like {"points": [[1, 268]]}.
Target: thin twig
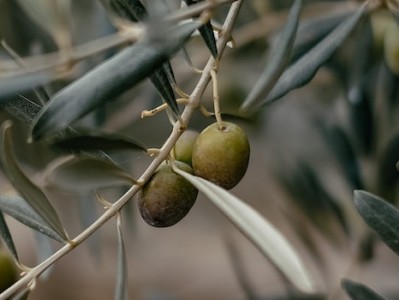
{"points": [[194, 102]]}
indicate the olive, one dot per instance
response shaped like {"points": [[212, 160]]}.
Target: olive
{"points": [[221, 154], [183, 148], [391, 47], [8, 272], [167, 197]]}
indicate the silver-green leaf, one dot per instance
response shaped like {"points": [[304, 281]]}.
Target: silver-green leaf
{"points": [[31, 193], [86, 174], [278, 60], [304, 69], [111, 78], [258, 230], [6, 236], [20, 210], [380, 216], [358, 291]]}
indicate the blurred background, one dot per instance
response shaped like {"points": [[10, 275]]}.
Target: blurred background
{"points": [[309, 152]]}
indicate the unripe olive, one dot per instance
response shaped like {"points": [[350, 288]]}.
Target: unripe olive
{"points": [[391, 47], [183, 149], [380, 21], [167, 197], [8, 272], [221, 155]]}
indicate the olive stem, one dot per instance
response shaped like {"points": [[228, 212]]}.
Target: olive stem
{"points": [[216, 102], [193, 104]]}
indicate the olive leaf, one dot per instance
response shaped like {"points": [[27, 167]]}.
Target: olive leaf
{"points": [[6, 236], [32, 193], [358, 291], [276, 63], [111, 78], [121, 277], [94, 140], [304, 69], [23, 81], [135, 11], [20, 210], [380, 216], [258, 230], [206, 32], [311, 31], [22, 109], [86, 174]]}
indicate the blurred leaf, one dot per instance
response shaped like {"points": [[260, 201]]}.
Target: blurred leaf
{"points": [[6, 236], [310, 195], [304, 69], [393, 7], [311, 31], [86, 140], [86, 174], [358, 291], [360, 85], [111, 78], [277, 62], [23, 81], [206, 32], [380, 216], [20, 210], [22, 295], [134, 11], [22, 109], [32, 194], [161, 82], [258, 230], [121, 277], [44, 251]]}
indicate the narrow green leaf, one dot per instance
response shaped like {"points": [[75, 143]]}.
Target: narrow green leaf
{"points": [[206, 32], [22, 109], [277, 62], [20, 82], [135, 11], [32, 193], [20, 210], [161, 82], [258, 230], [312, 31], [121, 276], [95, 140], [304, 69], [6, 236], [380, 216], [86, 174], [111, 78], [358, 291]]}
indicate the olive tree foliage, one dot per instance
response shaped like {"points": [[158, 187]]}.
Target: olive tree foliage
{"points": [[59, 89]]}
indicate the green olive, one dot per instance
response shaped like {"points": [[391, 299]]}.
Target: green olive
{"points": [[391, 47], [183, 149], [167, 197], [8, 272], [221, 154]]}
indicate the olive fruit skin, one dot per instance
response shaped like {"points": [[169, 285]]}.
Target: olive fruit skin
{"points": [[167, 197], [221, 155], [391, 47], [183, 148], [8, 272]]}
